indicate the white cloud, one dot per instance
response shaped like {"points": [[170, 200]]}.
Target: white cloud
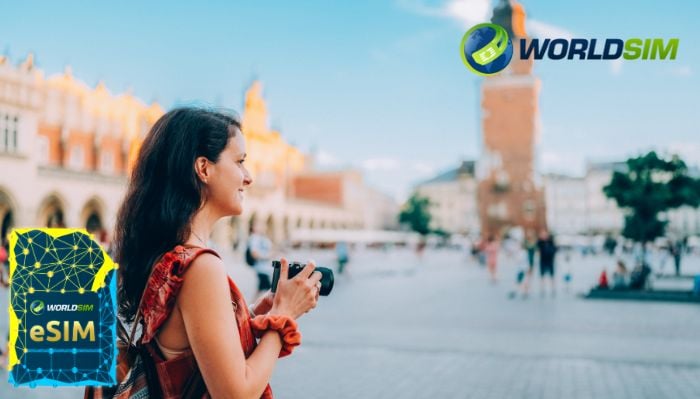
{"points": [[472, 12], [469, 12], [681, 71], [326, 159], [544, 30]]}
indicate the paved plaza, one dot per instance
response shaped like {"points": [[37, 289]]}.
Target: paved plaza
{"points": [[402, 327]]}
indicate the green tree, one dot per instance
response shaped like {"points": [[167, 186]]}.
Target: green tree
{"points": [[415, 214], [651, 185]]}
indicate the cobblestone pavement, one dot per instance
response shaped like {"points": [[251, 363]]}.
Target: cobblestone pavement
{"points": [[397, 326]]}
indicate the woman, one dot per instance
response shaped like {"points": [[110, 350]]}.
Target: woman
{"points": [[491, 251], [190, 173]]}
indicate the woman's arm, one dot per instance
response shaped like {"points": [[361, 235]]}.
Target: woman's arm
{"points": [[205, 303]]}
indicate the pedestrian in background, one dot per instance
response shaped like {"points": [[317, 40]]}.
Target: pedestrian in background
{"points": [[547, 250], [259, 249], [530, 246], [491, 252], [341, 252]]}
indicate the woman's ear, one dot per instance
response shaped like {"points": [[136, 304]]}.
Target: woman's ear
{"points": [[202, 167]]}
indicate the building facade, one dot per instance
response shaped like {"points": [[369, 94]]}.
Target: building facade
{"points": [[66, 150], [453, 200], [578, 205], [510, 191]]}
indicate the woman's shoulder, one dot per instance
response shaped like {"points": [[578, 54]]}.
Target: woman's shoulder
{"points": [[204, 268], [177, 270]]}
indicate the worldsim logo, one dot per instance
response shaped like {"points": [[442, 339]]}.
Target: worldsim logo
{"points": [[486, 49], [37, 307]]}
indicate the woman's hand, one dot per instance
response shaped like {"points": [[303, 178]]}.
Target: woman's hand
{"points": [[263, 304], [298, 295]]}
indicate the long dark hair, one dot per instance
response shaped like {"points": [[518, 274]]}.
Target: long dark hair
{"points": [[164, 193]]}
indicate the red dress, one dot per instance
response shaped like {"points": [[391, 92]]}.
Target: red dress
{"points": [[159, 300]]}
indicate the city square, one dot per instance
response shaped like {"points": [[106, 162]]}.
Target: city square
{"points": [[439, 156], [398, 326]]}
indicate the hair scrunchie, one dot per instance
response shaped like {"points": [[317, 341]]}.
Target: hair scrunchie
{"points": [[284, 325]]}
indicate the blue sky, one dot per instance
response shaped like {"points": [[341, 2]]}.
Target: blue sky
{"points": [[379, 85]]}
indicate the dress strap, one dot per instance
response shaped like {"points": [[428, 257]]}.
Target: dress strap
{"points": [[164, 285]]}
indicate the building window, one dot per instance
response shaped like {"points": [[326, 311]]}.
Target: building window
{"points": [[498, 210], [77, 156], [8, 132], [107, 162], [43, 144], [529, 209], [15, 127]]}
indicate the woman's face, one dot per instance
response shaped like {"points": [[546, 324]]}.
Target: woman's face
{"points": [[228, 178]]}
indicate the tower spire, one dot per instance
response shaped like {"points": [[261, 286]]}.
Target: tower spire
{"points": [[511, 16]]}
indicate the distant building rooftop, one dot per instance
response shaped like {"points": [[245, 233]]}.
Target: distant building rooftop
{"points": [[617, 166], [466, 168]]}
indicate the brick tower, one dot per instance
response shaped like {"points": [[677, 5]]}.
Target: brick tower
{"points": [[510, 192]]}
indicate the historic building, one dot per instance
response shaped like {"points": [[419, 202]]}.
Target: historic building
{"points": [[578, 205], [510, 191], [66, 150], [453, 200], [68, 147], [286, 195]]}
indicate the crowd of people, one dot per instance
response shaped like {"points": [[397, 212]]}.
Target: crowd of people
{"points": [[542, 248], [538, 255]]}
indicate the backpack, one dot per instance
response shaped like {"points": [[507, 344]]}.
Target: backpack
{"points": [[249, 258], [137, 372]]}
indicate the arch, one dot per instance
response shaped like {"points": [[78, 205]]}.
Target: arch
{"points": [[285, 228], [7, 213], [93, 214], [235, 226], [251, 222], [270, 226], [52, 211]]}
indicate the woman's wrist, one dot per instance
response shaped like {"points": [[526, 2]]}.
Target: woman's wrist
{"points": [[280, 311], [283, 325]]}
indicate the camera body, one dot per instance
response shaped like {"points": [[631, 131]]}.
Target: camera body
{"points": [[296, 267]]}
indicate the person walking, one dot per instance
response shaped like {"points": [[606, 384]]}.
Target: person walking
{"points": [[547, 250], [491, 251], [260, 251]]}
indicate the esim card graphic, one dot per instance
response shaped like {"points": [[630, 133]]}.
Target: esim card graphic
{"points": [[62, 309]]}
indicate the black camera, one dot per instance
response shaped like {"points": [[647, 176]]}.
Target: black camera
{"points": [[296, 267]]}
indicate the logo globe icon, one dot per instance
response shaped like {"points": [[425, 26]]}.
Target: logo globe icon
{"points": [[37, 307], [486, 49]]}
